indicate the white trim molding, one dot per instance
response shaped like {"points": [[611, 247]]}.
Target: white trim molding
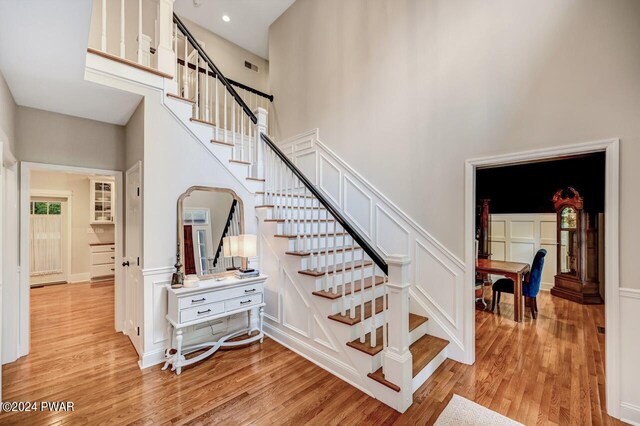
{"points": [[611, 147]]}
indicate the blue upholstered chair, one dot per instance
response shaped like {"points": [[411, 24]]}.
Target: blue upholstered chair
{"points": [[530, 288]]}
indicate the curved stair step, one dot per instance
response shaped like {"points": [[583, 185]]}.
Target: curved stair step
{"points": [[423, 351], [291, 236], [306, 253], [415, 321], [347, 290]]}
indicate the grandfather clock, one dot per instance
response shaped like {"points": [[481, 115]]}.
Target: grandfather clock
{"points": [[577, 254]]}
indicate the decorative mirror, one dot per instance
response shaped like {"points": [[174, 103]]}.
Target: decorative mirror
{"points": [[207, 217]]}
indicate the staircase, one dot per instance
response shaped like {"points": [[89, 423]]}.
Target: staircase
{"points": [[360, 298]]}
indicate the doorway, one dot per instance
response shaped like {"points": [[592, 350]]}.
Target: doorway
{"points": [[71, 239], [610, 148], [49, 240]]}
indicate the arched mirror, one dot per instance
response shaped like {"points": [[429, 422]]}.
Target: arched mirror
{"points": [[207, 217]]}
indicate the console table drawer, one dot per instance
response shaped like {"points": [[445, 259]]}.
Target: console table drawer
{"points": [[218, 295], [243, 302], [201, 311]]}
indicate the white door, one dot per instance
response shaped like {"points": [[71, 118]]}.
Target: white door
{"points": [[133, 254], [49, 242]]}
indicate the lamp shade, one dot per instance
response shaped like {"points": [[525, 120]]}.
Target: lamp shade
{"points": [[247, 245], [231, 246]]}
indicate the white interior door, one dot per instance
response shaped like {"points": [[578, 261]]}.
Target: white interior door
{"points": [[133, 254], [49, 230]]}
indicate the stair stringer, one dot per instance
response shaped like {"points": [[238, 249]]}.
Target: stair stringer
{"points": [[336, 357]]}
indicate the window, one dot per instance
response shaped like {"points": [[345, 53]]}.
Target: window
{"points": [[46, 207], [196, 216]]}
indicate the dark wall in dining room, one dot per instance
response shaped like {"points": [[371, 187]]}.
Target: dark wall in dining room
{"points": [[529, 188]]}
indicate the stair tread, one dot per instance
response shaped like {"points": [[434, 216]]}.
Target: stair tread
{"points": [[346, 319], [347, 289], [378, 376], [240, 162], [414, 322], [306, 253], [229, 144], [198, 120], [324, 271], [270, 206], [424, 350], [303, 220], [322, 235], [180, 98], [255, 179]]}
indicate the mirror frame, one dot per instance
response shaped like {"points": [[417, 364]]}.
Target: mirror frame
{"points": [[180, 229]]}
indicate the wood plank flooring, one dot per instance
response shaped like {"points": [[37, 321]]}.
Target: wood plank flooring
{"points": [[548, 371]]}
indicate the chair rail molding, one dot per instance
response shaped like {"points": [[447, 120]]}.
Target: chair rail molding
{"points": [[436, 273], [613, 293]]}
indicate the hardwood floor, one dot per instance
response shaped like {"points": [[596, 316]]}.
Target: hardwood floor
{"points": [[548, 371]]}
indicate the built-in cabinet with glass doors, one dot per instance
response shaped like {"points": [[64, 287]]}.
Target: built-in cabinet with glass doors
{"points": [[102, 202]]}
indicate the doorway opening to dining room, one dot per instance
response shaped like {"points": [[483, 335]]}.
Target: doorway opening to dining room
{"points": [[539, 276]]}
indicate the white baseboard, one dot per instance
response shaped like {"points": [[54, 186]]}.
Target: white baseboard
{"points": [[630, 413], [151, 358], [304, 351], [82, 277]]}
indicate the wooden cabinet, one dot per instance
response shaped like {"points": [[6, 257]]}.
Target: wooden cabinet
{"points": [[102, 202], [577, 267]]}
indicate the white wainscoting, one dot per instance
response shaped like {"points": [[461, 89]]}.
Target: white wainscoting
{"points": [[629, 354], [436, 274], [517, 238]]}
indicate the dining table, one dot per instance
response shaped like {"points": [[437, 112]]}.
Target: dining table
{"points": [[516, 271]]}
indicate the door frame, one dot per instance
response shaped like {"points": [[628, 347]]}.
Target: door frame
{"points": [[23, 302], [68, 197], [611, 148]]}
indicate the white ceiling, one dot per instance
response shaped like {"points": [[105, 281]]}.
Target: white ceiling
{"points": [[250, 19], [43, 47]]}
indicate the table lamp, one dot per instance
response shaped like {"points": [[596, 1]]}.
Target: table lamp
{"points": [[247, 247]]}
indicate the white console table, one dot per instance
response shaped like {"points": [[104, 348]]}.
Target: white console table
{"points": [[209, 301]]}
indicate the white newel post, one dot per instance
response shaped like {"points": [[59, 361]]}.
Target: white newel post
{"points": [[397, 357], [166, 55], [261, 127]]}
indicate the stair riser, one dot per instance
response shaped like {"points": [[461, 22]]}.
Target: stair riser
{"points": [[304, 214], [331, 259], [294, 227], [315, 243], [290, 201]]}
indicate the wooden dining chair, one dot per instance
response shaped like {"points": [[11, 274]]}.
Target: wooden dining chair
{"points": [[530, 287]]}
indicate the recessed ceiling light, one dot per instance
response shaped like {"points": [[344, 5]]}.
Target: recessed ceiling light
{"points": [[226, 18]]}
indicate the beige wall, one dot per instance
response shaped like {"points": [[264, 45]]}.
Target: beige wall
{"points": [[134, 137], [7, 115], [230, 57], [80, 233], [48, 137], [406, 91]]}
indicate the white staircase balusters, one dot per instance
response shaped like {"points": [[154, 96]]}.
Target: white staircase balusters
{"points": [[343, 311], [372, 328], [352, 300]]}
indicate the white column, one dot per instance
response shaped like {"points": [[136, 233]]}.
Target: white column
{"points": [[261, 127], [397, 357], [165, 53]]}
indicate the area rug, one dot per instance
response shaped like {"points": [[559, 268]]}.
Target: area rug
{"points": [[462, 412]]}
